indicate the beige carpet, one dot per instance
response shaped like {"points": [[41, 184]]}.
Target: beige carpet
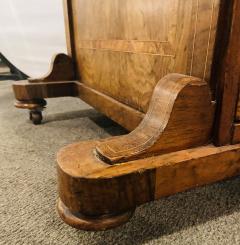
{"points": [[207, 215]]}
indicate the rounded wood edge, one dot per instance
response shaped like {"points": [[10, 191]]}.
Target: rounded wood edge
{"points": [[83, 222], [172, 88], [31, 105]]}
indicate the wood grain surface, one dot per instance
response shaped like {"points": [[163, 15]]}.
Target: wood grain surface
{"points": [[129, 46], [26, 92], [180, 116], [91, 187]]}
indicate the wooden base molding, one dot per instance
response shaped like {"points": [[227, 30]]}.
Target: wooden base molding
{"points": [[89, 186], [31, 104], [25, 92], [35, 108], [89, 223]]}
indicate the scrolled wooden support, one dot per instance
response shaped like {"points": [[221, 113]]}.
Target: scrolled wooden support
{"points": [[62, 69], [30, 94], [92, 191], [180, 116], [98, 189]]}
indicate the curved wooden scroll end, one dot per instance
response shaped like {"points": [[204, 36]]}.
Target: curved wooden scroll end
{"points": [[180, 116], [62, 69]]}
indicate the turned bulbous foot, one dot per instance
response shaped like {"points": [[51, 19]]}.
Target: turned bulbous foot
{"points": [[87, 223]]}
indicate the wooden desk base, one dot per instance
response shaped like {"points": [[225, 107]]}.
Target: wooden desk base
{"points": [[168, 151], [90, 187]]}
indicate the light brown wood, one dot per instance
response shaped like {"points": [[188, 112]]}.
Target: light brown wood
{"points": [[87, 223], [89, 186], [26, 92], [76, 162], [121, 113], [180, 116], [119, 55], [129, 46], [31, 104], [126, 116]]}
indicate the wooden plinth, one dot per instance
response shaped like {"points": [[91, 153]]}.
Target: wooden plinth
{"points": [[90, 186]]}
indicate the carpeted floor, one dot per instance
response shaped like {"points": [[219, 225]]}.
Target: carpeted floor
{"points": [[207, 215]]}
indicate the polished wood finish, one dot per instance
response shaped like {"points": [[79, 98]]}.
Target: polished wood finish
{"points": [[156, 67], [31, 104], [26, 92], [87, 223], [121, 113], [125, 59], [180, 116], [91, 187], [130, 45], [30, 93], [226, 70]]}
